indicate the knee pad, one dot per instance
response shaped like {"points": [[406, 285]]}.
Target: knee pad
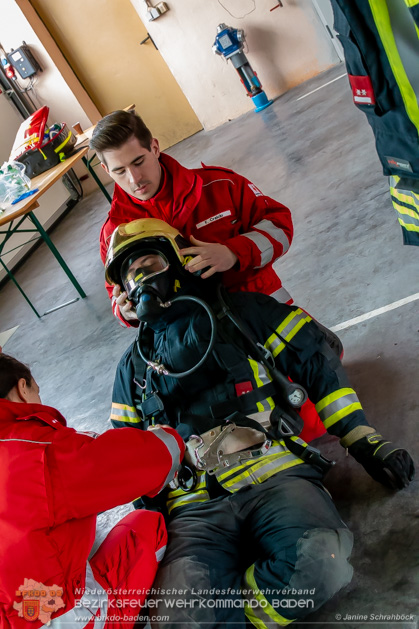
{"points": [[322, 565]]}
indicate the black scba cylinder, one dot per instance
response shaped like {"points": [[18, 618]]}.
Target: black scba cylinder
{"points": [[37, 161]]}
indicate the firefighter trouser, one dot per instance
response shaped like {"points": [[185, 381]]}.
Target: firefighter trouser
{"points": [[125, 565], [268, 554]]}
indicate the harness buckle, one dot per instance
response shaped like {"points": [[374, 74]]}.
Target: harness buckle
{"points": [[314, 457], [267, 354], [205, 452]]}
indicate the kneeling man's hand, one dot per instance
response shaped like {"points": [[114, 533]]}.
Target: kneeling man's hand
{"points": [[212, 256]]}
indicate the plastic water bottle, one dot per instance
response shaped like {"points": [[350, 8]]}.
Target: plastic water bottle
{"points": [[14, 181]]}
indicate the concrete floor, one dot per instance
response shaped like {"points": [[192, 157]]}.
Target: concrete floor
{"points": [[317, 156]]}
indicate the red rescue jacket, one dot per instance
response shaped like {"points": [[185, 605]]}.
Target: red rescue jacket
{"points": [[53, 482], [215, 205]]}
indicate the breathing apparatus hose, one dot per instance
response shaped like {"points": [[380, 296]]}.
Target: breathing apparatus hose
{"points": [[161, 369]]}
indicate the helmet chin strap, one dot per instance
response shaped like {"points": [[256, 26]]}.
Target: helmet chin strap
{"points": [[160, 369]]}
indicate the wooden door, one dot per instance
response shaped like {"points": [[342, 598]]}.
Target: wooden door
{"points": [[101, 41]]}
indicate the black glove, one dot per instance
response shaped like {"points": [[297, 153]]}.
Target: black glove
{"points": [[385, 462]]}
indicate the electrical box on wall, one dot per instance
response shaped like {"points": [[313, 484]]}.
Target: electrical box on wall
{"points": [[162, 7], [153, 12], [23, 60]]}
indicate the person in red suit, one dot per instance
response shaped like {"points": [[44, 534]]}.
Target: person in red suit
{"points": [[233, 227], [54, 482]]}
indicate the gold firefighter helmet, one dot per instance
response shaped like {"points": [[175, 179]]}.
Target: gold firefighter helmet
{"points": [[128, 236]]}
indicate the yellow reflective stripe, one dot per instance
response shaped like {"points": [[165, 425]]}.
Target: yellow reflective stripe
{"points": [[381, 17], [58, 149], [402, 196], [178, 497], [356, 406], [125, 413], [267, 466], [233, 469], [285, 466], [254, 468], [336, 395], [277, 449], [409, 226], [126, 419], [125, 407], [401, 209], [197, 496], [289, 330], [337, 405], [261, 377], [411, 3], [256, 615], [407, 198]]}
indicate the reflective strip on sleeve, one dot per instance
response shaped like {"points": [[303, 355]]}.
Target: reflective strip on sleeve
{"points": [[257, 471], [409, 224], [179, 498], [276, 233], [288, 329], [337, 405], [264, 245], [124, 413], [282, 295], [261, 377], [411, 3], [174, 451], [406, 204], [256, 607], [382, 21], [160, 553], [400, 194], [407, 216]]}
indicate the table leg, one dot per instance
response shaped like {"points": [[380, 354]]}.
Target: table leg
{"points": [[56, 253], [14, 280], [96, 178]]}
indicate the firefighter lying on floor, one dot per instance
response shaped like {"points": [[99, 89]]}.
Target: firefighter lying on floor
{"points": [[251, 527]]}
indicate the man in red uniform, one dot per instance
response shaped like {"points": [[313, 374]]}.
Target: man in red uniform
{"points": [[54, 482], [233, 227]]}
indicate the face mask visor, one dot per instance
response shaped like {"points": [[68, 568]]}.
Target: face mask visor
{"points": [[138, 270]]}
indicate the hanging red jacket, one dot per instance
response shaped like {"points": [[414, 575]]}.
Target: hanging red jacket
{"points": [[53, 483], [215, 205]]}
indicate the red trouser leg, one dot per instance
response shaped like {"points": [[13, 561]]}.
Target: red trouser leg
{"points": [[126, 563]]}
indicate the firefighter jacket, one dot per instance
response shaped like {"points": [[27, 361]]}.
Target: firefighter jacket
{"points": [[230, 380], [214, 205], [53, 483], [381, 46]]}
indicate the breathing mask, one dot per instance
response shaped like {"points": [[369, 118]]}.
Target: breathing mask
{"points": [[146, 277]]}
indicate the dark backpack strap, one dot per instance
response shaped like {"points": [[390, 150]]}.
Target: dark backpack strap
{"points": [[148, 403]]}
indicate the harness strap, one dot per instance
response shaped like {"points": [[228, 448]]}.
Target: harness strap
{"points": [[244, 403]]}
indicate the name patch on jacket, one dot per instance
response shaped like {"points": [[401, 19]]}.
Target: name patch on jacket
{"points": [[255, 190], [216, 217]]}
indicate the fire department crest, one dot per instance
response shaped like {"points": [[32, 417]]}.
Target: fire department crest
{"points": [[38, 601], [30, 609]]}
